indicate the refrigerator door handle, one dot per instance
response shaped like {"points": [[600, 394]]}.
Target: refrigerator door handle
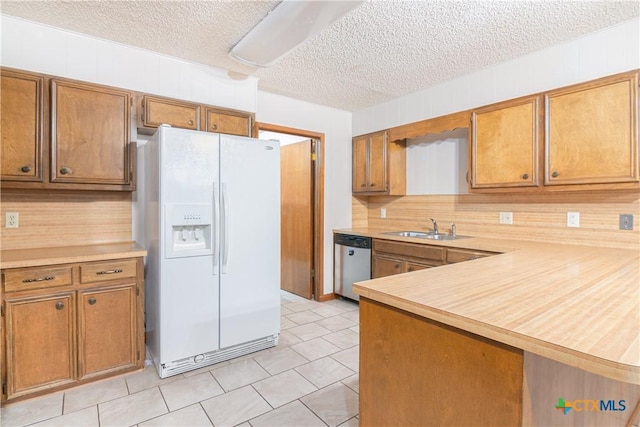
{"points": [[214, 226], [225, 228]]}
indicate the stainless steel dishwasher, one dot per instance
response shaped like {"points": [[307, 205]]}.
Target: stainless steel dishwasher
{"points": [[351, 263]]}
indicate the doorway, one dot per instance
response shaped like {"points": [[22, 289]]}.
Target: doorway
{"points": [[302, 208]]}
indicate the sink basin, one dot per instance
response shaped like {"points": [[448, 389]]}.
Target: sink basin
{"points": [[408, 233]]}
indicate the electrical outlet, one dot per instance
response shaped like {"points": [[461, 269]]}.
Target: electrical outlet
{"points": [[383, 213], [573, 219], [626, 222], [11, 220], [506, 217]]}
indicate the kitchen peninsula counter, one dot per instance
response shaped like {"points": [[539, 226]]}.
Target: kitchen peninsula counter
{"points": [[19, 258], [576, 305]]}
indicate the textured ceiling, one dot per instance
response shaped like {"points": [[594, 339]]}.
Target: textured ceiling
{"points": [[380, 51]]}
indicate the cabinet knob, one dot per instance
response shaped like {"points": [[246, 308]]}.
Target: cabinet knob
{"points": [[525, 176], [92, 301], [373, 184], [26, 169], [66, 171], [397, 266], [214, 127], [59, 305], [555, 174], [190, 122], [362, 185]]}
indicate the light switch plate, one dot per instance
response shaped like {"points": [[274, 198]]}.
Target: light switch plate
{"points": [[506, 217], [626, 222], [573, 219]]}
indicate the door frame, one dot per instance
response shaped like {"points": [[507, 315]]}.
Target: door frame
{"points": [[318, 203]]}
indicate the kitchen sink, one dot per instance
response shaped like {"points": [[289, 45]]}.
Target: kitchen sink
{"points": [[407, 233], [426, 235]]}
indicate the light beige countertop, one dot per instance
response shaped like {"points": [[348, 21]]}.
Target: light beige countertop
{"points": [[69, 254], [578, 305]]}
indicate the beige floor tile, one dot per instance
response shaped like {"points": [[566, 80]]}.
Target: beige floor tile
{"points": [[146, 379], [87, 417], [349, 358], [284, 388], [324, 371], [334, 404], [344, 304], [353, 382], [287, 339], [132, 409], [280, 360], [239, 374], [315, 348], [343, 339], [354, 316], [327, 310], [187, 391], [204, 369], [91, 394], [235, 407], [351, 422], [191, 416], [336, 323], [286, 323], [32, 410], [303, 305], [356, 329], [303, 317], [284, 311], [293, 414], [309, 331]]}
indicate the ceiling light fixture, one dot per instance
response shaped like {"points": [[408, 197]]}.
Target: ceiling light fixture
{"points": [[285, 27]]}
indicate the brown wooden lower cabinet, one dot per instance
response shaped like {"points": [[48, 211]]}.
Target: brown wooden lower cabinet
{"points": [[417, 372], [70, 324]]}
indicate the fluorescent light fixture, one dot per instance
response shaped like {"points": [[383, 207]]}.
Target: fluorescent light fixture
{"points": [[285, 27]]}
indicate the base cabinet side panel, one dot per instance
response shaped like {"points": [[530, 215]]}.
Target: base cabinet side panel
{"points": [[416, 372]]}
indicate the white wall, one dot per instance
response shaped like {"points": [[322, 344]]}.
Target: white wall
{"points": [[336, 126], [609, 51]]}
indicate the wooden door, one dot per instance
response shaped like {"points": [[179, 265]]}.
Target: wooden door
{"points": [[226, 122], [592, 132], [504, 145], [179, 114], [296, 195], [377, 181], [106, 330], [21, 106], [40, 343], [359, 164], [90, 134]]}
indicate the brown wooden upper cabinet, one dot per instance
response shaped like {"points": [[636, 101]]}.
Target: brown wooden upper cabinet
{"points": [[379, 165], [21, 109], [504, 144], [591, 132], [187, 115], [90, 134], [81, 141]]}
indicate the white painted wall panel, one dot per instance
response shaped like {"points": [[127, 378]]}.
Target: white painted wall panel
{"points": [[609, 51]]}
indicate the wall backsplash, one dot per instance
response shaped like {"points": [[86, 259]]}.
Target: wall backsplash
{"points": [[535, 217], [65, 218]]}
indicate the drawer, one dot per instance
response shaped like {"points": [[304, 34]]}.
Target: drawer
{"points": [[109, 270], [460, 255], [23, 279], [434, 253]]}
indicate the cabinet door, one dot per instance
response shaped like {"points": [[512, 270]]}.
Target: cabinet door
{"points": [[383, 266], [591, 132], [360, 154], [157, 111], [504, 145], [106, 330], [377, 179], [21, 106], [90, 134], [40, 343], [227, 122]]}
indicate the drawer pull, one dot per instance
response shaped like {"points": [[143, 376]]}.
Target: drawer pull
{"points": [[39, 279], [190, 122], [59, 305], [525, 176], [26, 169], [214, 127], [119, 270], [92, 301], [555, 174], [66, 171]]}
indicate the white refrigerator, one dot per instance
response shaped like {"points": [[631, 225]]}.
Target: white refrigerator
{"points": [[212, 232]]}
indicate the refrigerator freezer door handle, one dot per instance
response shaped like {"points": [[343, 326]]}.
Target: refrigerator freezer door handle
{"points": [[214, 227], [225, 228]]}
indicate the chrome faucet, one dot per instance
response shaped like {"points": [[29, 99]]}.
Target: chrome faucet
{"points": [[453, 229], [435, 225]]}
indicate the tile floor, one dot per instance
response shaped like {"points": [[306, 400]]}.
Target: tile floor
{"points": [[309, 379]]}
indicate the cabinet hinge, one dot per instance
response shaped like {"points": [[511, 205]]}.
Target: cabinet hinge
{"points": [[138, 355], [313, 157], [137, 291], [2, 310], [4, 389], [313, 273]]}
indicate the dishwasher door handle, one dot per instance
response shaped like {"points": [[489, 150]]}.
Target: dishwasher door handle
{"points": [[351, 252]]}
